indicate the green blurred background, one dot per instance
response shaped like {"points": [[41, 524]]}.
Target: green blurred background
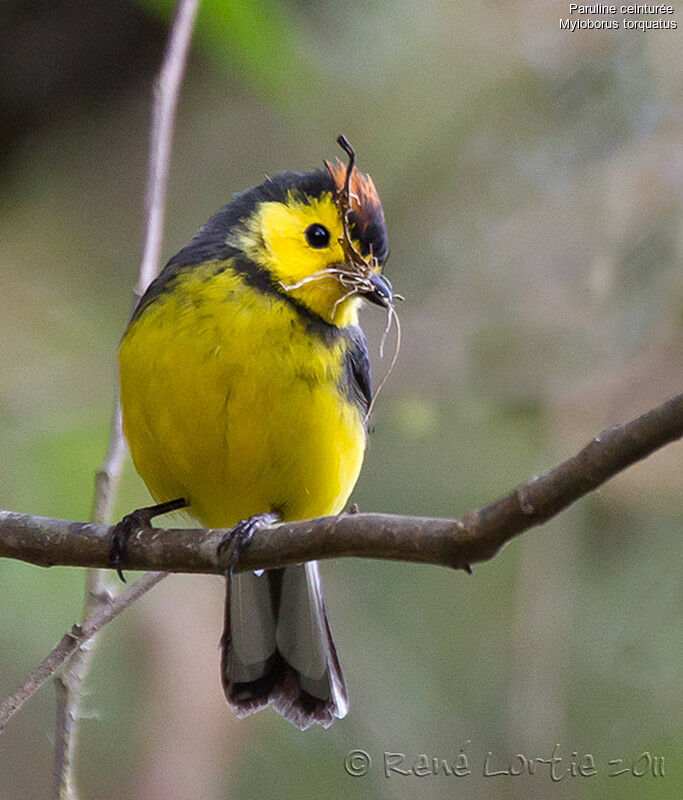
{"points": [[532, 183]]}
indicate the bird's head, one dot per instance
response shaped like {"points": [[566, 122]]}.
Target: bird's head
{"points": [[320, 236]]}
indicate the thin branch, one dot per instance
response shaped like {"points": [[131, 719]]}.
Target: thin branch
{"points": [[166, 93], [72, 641], [69, 684], [477, 536], [108, 475], [97, 596]]}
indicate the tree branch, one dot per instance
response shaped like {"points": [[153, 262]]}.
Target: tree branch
{"points": [[97, 596], [166, 93], [477, 536], [71, 642]]}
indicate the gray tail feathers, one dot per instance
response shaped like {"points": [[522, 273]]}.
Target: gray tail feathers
{"points": [[278, 648]]}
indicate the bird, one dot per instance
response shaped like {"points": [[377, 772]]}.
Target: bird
{"points": [[245, 391]]}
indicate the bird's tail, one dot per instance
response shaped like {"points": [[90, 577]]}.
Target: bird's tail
{"points": [[278, 647]]}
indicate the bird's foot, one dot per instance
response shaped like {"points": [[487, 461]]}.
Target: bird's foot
{"points": [[135, 521], [232, 545]]}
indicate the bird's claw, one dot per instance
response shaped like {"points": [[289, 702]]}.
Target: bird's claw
{"points": [[137, 520], [234, 542]]}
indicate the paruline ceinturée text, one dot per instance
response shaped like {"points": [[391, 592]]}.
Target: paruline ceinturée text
{"points": [[599, 8]]}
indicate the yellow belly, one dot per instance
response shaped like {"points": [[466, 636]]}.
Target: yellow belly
{"points": [[229, 401]]}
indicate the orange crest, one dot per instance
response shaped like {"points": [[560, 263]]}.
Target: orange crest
{"points": [[363, 198]]}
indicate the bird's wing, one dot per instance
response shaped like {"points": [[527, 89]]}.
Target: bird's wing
{"points": [[357, 368]]}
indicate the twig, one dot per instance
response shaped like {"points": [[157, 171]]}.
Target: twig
{"points": [[68, 685], [166, 93], [97, 597], [477, 536], [72, 641]]}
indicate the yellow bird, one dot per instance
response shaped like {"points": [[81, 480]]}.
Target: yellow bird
{"points": [[245, 388]]}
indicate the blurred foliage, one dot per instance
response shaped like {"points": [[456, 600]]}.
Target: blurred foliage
{"points": [[257, 35], [532, 186]]}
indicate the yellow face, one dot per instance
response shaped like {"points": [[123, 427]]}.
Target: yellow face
{"points": [[296, 241]]}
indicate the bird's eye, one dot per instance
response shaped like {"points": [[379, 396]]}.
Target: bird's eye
{"points": [[317, 235]]}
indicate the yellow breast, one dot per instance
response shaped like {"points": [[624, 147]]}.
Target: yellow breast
{"points": [[234, 401]]}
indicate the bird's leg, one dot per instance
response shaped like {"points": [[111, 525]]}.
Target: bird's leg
{"points": [[140, 518], [235, 540]]}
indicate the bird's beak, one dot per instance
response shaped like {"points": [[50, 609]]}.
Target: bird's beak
{"points": [[382, 294]]}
